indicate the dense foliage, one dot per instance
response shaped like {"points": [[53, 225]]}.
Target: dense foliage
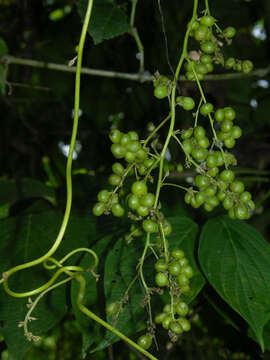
{"points": [[177, 213]]}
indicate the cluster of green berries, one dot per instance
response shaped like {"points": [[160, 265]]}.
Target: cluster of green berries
{"points": [[174, 274], [224, 189], [228, 131], [201, 62], [162, 86], [244, 66]]}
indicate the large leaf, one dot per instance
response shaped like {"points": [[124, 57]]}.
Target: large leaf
{"points": [[236, 260], [107, 20], [120, 270], [12, 190], [183, 236], [26, 238]]}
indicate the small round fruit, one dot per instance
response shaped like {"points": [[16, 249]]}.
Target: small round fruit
{"points": [[245, 196], [112, 308], [134, 146], [228, 203], [199, 132], [229, 113], [205, 59], [227, 175], [117, 210], [212, 201], [98, 208], [219, 115], [125, 140], [161, 279], [237, 187], [114, 179], [148, 163], [201, 69], [150, 226], [161, 265], [166, 322], [118, 169], [167, 228], [229, 32], [187, 146], [247, 66], [200, 198], [201, 33], [178, 254], [174, 268], [188, 103], [188, 271], [133, 201], [133, 135], [229, 143], [141, 155], [182, 308], [185, 324], [147, 200], [236, 132], [183, 261], [211, 160], [139, 188], [226, 126], [187, 133], [208, 47], [160, 317], [115, 136], [118, 151], [201, 181], [230, 63], [210, 190], [185, 289], [175, 327], [161, 91], [129, 157], [199, 154], [182, 280], [206, 109], [142, 211], [241, 212], [203, 142], [207, 20], [219, 156], [103, 196], [167, 308], [144, 341]]}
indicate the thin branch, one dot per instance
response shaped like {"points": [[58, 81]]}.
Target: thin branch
{"points": [[145, 77]]}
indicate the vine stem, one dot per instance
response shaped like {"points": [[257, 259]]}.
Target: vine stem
{"points": [[171, 129], [66, 216], [93, 316], [134, 33]]}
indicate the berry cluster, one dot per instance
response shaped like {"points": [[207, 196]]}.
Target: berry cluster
{"points": [[174, 274]]}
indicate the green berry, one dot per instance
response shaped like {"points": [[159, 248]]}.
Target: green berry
{"points": [[144, 341], [199, 132], [114, 179], [247, 66], [188, 103], [227, 175], [199, 154], [175, 327], [206, 109], [187, 146], [98, 208], [188, 271], [133, 201], [139, 188], [230, 63], [205, 59], [203, 142], [187, 133], [229, 143], [202, 181], [115, 136], [210, 190], [133, 135], [207, 20], [228, 203], [117, 210], [237, 187], [118, 169], [174, 268], [185, 324], [161, 92], [236, 132], [134, 146], [103, 196], [161, 265], [211, 160], [125, 140], [229, 32], [178, 254], [141, 155], [159, 318], [226, 126], [208, 47], [241, 212], [118, 151], [201, 69], [229, 113], [245, 196], [150, 226], [201, 33], [161, 279], [219, 115], [182, 280], [182, 308], [142, 211]]}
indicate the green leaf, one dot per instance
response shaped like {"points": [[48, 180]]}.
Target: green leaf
{"points": [[24, 239], [183, 236], [236, 260], [120, 270], [107, 20], [12, 190], [3, 47]]}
